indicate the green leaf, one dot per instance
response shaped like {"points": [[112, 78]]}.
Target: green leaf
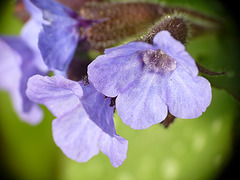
{"points": [[219, 53]]}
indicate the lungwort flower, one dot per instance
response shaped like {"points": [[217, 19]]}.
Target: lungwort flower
{"points": [[61, 33], [20, 58], [84, 122], [151, 80]]}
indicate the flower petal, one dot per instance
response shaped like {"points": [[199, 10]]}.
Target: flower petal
{"points": [[98, 108], [84, 120], [59, 38], [127, 49], [33, 116], [113, 73], [57, 93], [143, 105], [10, 62], [29, 35], [52, 6], [58, 43], [76, 135], [36, 13], [80, 138], [188, 96], [176, 50], [14, 54], [115, 148]]}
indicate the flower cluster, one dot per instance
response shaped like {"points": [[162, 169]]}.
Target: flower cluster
{"points": [[142, 81]]}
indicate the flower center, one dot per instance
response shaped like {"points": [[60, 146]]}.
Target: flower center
{"points": [[158, 61]]}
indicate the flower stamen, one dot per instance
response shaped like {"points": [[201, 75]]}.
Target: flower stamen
{"points": [[158, 62]]}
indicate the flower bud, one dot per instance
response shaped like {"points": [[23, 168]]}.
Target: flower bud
{"points": [[123, 20], [175, 25]]}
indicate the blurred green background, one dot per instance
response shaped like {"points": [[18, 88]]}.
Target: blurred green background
{"points": [[203, 148]]}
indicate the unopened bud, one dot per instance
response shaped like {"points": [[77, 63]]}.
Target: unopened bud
{"points": [[123, 20], [175, 25]]}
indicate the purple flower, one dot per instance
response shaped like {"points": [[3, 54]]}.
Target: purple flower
{"points": [[20, 58], [84, 122], [61, 33], [150, 80]]}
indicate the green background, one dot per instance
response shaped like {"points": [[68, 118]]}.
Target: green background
{"points": [[202, 148]]}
